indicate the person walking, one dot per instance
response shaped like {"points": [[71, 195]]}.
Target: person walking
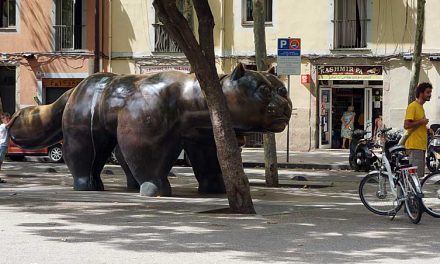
{"points": [[4, 137], [415, 124]]}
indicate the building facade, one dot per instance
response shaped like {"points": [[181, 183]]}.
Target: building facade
{"points": [[354, 52]]}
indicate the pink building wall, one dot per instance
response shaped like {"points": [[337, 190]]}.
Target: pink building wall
{"points": [[35, 35]]}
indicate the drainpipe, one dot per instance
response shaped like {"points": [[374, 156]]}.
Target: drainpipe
{"points": [[97, 33], [222, 31], [110, 36]]}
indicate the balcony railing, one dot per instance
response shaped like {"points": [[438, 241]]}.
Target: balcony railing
{"points": [[67, 37], [350, 34], [163, 42]]}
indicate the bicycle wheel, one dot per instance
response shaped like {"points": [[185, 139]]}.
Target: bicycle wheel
{"points": [[431, 192], [376, 194], [413, 204]]}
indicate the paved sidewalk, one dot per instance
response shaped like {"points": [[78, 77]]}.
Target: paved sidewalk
{"points": [[42, 220], [318, 159]]}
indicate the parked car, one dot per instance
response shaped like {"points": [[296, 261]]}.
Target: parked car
{"points": [[55, 152], [181, 160]]}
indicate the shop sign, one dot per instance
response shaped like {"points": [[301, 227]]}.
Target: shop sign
{"points": [[289, 56], [305, 78], [61, 82], [162, 68], [349, 72]]}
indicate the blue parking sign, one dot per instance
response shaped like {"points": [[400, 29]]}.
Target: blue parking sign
{"points": [[289, 47]]}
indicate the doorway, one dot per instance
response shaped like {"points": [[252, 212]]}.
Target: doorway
{"points": [[7, 89], [343, 98], [335, 100]]}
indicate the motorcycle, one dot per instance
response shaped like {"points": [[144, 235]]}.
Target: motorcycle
{"points": [[361, 156], [433, 150]]}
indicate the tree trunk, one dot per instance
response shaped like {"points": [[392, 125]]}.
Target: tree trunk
{"points": [[417, 57], [270, 151], [202, 59]]}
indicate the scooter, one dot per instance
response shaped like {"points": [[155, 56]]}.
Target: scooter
{"points": [[433, 150], [361, 156]]}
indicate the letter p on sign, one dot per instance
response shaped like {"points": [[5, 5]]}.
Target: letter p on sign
{"points": [[283, 44]]}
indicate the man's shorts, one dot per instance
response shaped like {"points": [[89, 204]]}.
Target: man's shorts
{"points": [[3, 151], [417, 158]]}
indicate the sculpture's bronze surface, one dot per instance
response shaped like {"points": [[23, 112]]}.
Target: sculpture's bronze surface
{"points": [[151, 118]]}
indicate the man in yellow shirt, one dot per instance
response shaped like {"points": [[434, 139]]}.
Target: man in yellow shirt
{"points": [[415, 123]]}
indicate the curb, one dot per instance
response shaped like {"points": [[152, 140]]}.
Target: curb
{"points": [[308, 166]]}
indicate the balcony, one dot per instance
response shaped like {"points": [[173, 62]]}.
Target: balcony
{"points": [[67, 37], [163, 42], [350, 34]]}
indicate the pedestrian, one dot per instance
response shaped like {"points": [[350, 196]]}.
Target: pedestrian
{"points": [[4, 137], [347, 125], [378, 125], [415, 124]]}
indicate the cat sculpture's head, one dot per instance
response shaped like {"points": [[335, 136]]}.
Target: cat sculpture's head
{"points": [[257, 101]]}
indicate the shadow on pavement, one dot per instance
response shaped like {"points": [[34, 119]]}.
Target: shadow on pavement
{"points": [[325, 225]]}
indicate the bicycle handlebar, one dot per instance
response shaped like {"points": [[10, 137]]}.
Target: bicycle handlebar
{"points": [[385, 130]]}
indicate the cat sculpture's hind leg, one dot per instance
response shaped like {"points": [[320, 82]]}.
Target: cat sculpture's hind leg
{"points": [[86, 158], [149, 149], [132, 183]]}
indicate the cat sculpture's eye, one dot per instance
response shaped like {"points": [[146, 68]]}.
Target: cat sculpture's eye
{"points": [[282, 91]]}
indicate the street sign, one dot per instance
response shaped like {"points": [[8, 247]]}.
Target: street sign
{"points": [[289, 56]]}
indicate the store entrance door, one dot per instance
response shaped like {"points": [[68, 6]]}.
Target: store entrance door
{"points": [[367, 104], [342, 99], [368, 111]]}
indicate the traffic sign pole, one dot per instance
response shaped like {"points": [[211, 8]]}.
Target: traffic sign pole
{"points": [[289, 63]]}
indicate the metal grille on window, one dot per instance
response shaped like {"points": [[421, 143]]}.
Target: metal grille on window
{"points": [[7, 12], [163, 42], [68, 27], [350, 24], [267, 10]]}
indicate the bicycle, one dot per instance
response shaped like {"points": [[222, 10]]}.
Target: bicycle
{"points": [[394, 182], [431, 192]]}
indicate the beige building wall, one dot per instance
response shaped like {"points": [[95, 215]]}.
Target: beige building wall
{"points": [[396, 87], [390, 34], [131, 23]]}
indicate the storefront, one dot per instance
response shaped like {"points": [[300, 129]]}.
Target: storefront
{"points": [[341, 87], [53, 88]]}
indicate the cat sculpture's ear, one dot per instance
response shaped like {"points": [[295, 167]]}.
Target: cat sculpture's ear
{"points": [[272, 70], [238, 72]]}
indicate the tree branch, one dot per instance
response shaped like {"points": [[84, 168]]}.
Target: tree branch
{"points": [[177, 26], [206, 28]]}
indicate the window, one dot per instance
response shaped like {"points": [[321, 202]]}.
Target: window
{"points": [[163, 42], [7, 11], [68, 24], [248, 8], [350, 24]]}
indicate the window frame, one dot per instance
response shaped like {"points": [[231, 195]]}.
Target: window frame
{"points": [[340, 33], [16, 15], [246, 22], [68, 21]]}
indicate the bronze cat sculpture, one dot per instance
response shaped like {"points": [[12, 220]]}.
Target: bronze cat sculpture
{"points": [[151, 118]]}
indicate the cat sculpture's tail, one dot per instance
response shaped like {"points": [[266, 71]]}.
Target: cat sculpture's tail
{"points": [[39, 126]]}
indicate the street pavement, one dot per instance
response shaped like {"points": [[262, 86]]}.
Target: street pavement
{"points": [[321, 220]]}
